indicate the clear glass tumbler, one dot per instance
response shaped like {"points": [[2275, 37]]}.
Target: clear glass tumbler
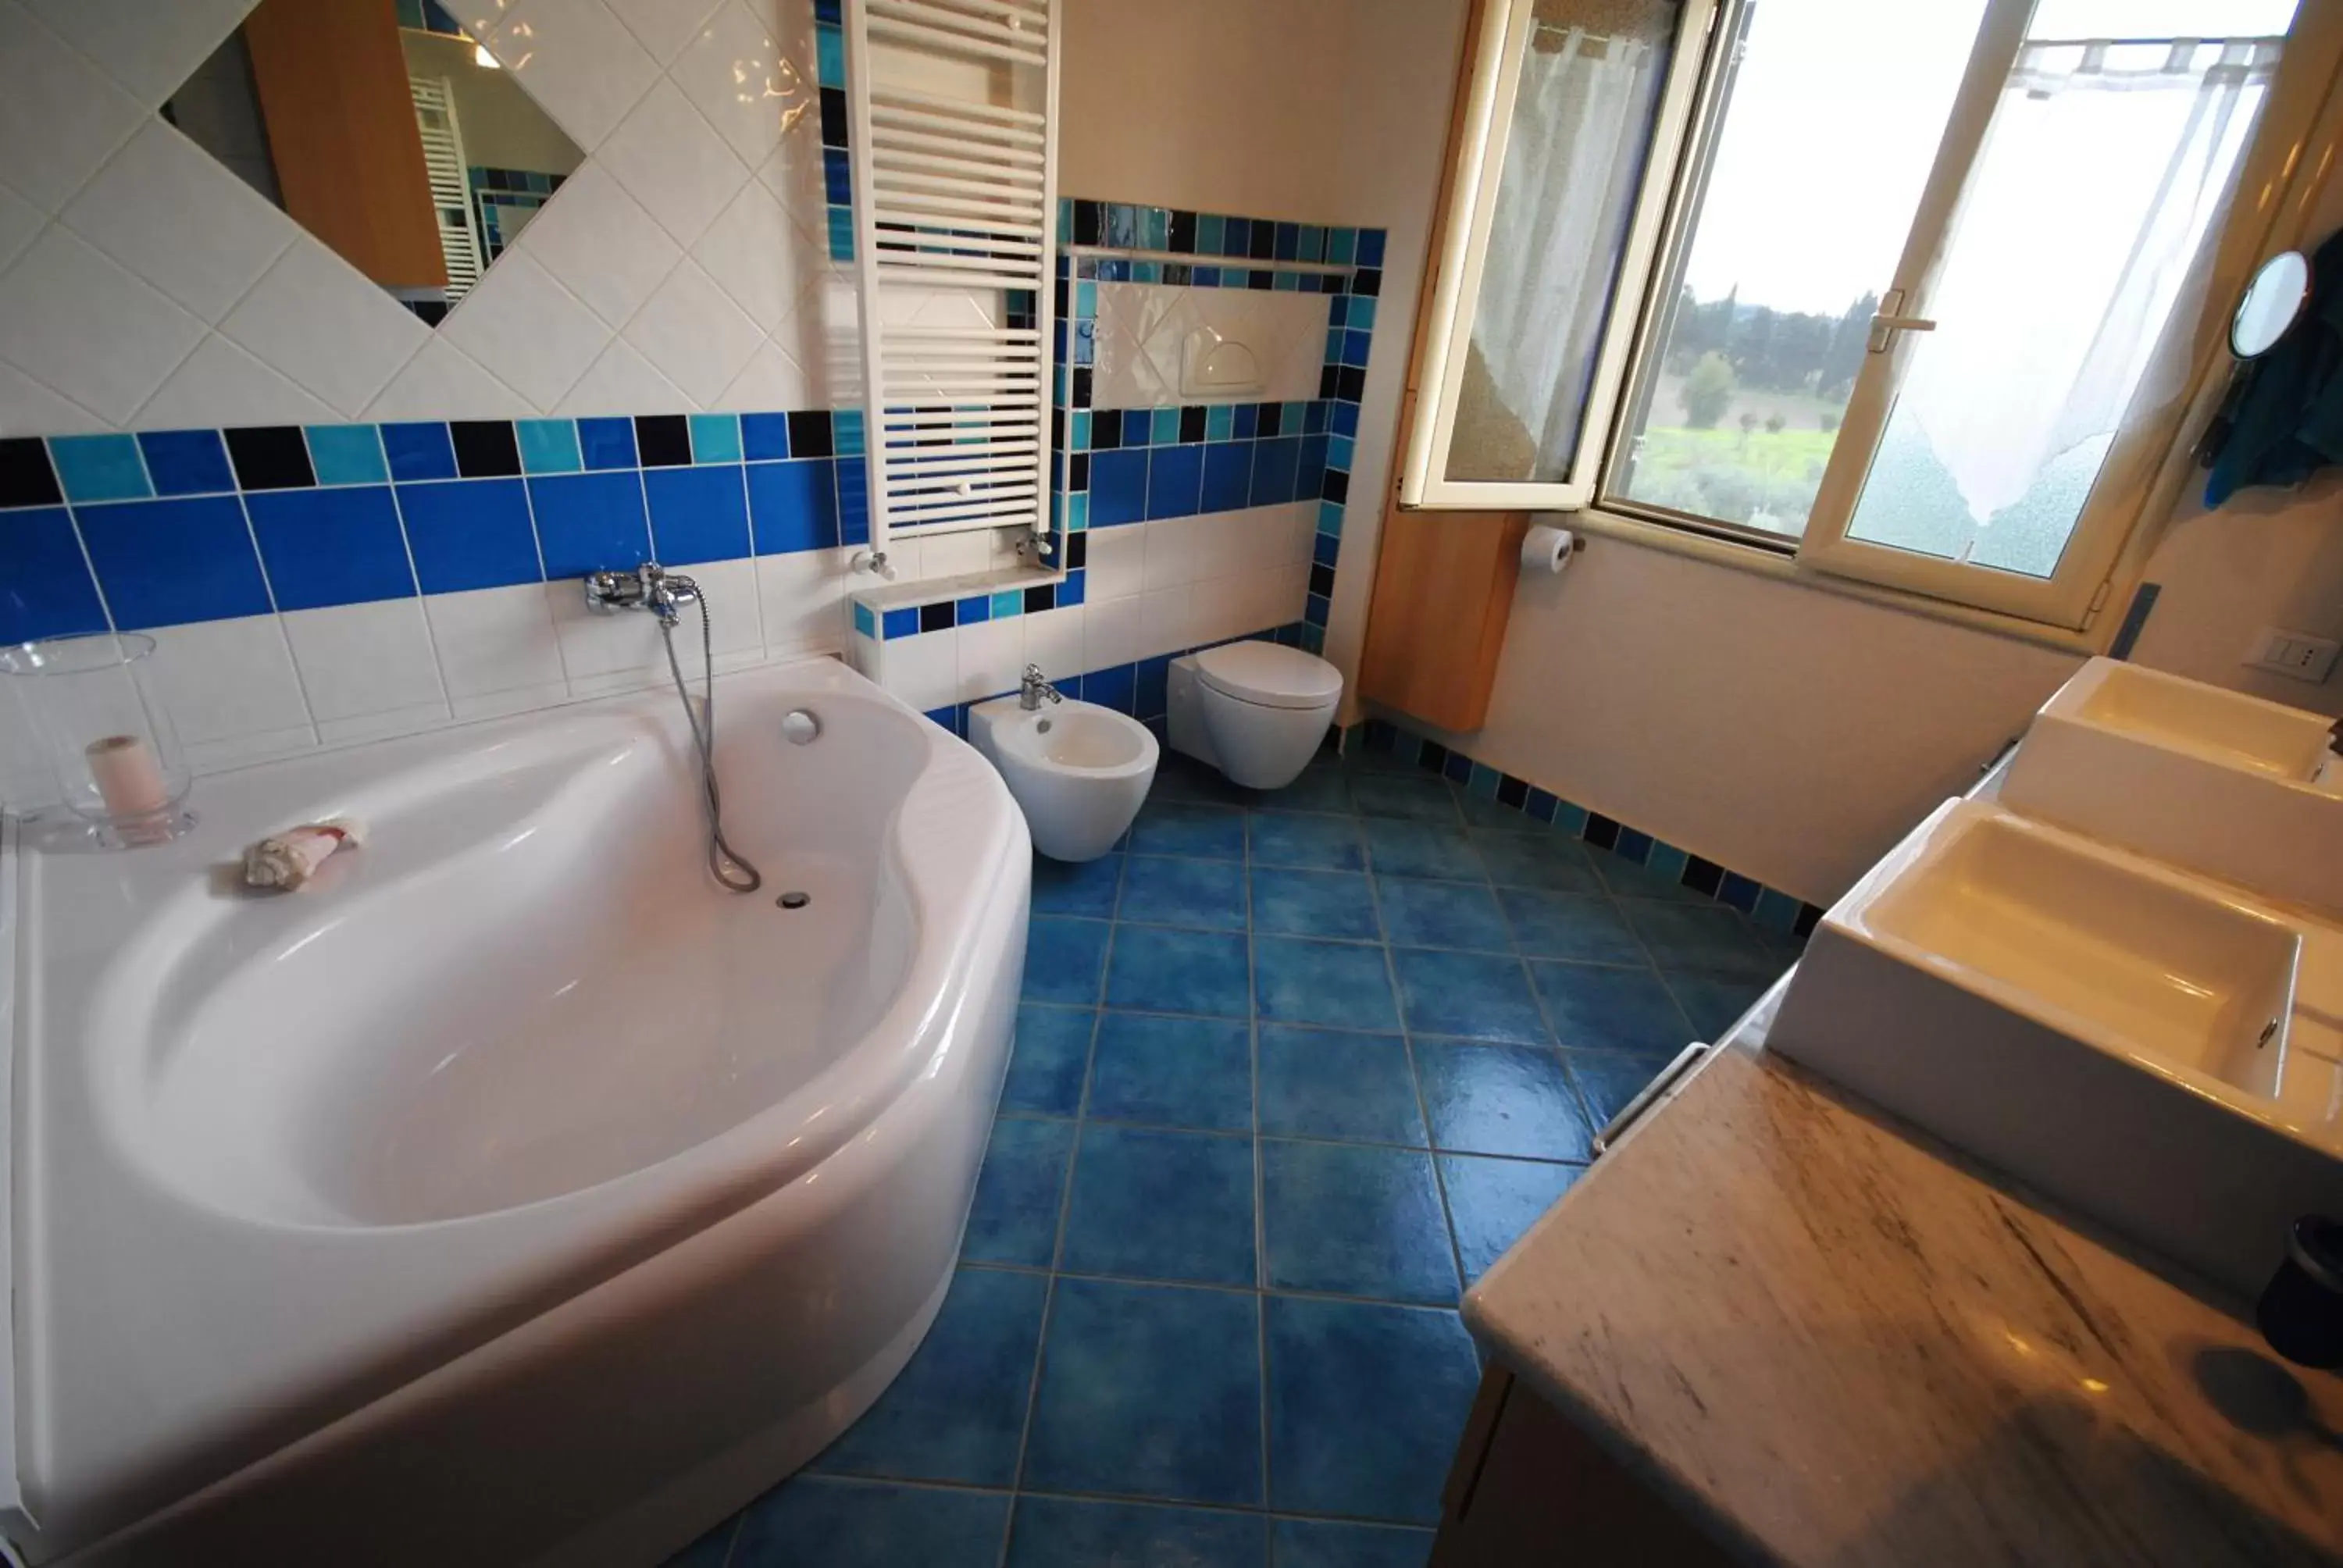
{"points": [[93, 705]]}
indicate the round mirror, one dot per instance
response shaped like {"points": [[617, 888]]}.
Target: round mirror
{"points": [[2272, 301]]}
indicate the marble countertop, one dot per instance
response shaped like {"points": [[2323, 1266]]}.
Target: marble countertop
{"points": [[1832, 1341]]}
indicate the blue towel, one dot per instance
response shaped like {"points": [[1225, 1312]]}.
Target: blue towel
{"points": [[2289, 421]]}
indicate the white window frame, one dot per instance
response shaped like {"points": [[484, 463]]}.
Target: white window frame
{"points": [[1473, 203], [2141, 474]]}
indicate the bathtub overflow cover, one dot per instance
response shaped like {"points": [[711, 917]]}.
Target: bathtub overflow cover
{"points": [[794, 900], [797, 728]]}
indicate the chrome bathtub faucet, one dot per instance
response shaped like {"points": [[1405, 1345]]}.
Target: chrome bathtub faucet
{"points": [[649, 586], [1033, 688]]}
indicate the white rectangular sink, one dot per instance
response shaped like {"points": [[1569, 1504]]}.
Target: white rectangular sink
{"points": [[2159, 1052], [2221, 783]]}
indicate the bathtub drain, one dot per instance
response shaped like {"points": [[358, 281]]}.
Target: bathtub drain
{"points": [[794, 900]]}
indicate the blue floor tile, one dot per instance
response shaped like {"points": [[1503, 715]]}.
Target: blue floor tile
{"points": [[1160, 970], [1573, 926], [1485, 1099], [1422, 797], [1213, 832], [1365, 1404], [1332, 1544], [1150, 1390], [827, 1522], [1155, 1205], [1336, 984], [1051, 1054], [1610, 1008], [1608, 1079], [1331, 1083], [1353, 1219], [1709, 937], [1162, 890], [1321, 787], [1480, 996], [1493, 1202], [1554, 862], [1317, 843], [1063, 959], [1019, 1191], [1713, 1004], [710, 1550], [1298, 903], [1086, 887], [1421, 913], [957, 1412], [1079, 1532], [1403, 848], [1190, 1072]]}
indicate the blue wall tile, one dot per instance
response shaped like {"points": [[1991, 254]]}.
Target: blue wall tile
{"points": [[1228, 476], [1117, 487], [1175, 478], [44, 586], [853, 482], [1274, 462], [165, 563], [469, 534], [764, 435], [792, 506], [346, 455], [187, 462], [419, 451], [330, 547], [587, 522], [99, 468], [606, 443], [698, 514], [548, 445]]}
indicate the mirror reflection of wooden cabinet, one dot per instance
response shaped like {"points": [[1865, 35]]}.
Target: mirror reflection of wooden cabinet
{"points": [[332, 82]]}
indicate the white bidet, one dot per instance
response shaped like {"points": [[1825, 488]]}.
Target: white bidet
{"points": [[1079, 771]]}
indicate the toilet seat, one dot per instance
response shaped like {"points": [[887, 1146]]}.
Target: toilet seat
{"points": [[1268, 676]]}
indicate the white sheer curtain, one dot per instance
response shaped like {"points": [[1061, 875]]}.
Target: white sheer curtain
{"points": [[2105, 164], [1573, 160]]}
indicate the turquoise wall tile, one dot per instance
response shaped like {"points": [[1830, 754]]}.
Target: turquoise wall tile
{"points": [[716, 437], [100, 468], [548, 445], [1163, 427], [1220, 422], [347, 455], [1007, 602]]}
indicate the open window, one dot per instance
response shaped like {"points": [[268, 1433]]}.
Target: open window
{"points": [[1880, 287]]}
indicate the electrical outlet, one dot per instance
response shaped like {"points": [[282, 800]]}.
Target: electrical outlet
{"points": [[2294, 654]]}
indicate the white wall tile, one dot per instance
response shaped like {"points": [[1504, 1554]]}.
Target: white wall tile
{"points": [[1164, 620], [1114, 631], [923, 671], [1218, 608], [735, 75], [20, 221], [88, 330], [494, 640], [803, 599], [670, 160], [577, 60], [356, 660], [760, 256], [29, 408], [1175, 550], [319, 320], [602, 653], [771, 379], [59, 115], [1118, 561], [441, 382], [621, 381], [956, 555], [223, 679], [1053, 639], [527, 330], [171, 212], [149, 49], [663, 27], [220, 384], [599, 244], [693, 333], [991, 656], [736, 619]]}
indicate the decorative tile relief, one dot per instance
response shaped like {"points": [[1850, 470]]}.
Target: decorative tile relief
{"points": [[1159, 345], [144, 287]]}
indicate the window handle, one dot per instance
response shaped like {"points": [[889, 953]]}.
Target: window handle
{"points": [[1890, 320]]}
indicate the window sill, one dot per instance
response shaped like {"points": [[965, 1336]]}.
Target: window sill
{"points": [[1762, 560]]}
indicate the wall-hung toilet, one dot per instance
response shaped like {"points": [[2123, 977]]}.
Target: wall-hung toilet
{"points": [[1256, 710]]}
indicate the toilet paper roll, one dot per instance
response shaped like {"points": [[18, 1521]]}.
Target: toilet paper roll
{"points": [[1546, 549]]}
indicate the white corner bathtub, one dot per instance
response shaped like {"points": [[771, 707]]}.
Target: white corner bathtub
{"points": [[512, 1194]]}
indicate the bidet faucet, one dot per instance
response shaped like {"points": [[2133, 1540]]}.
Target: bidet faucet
{"points": [[1033, 688], [649, 586]]}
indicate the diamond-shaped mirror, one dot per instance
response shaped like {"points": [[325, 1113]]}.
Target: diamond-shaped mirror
{"points": [[386, 131]]}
